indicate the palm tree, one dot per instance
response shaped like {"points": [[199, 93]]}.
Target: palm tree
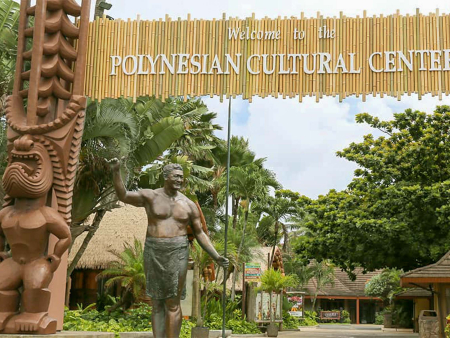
{"points": [[273, 281], [240, 156], [278, 210], [248, 183], [128, 273], [323, 274], [199, 138]]}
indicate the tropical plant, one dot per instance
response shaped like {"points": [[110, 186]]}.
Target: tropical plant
{"points": [[323, 274], [199, 138], [384, 285], [277, 210], [273, 281], [292, 265], [127, 272]]}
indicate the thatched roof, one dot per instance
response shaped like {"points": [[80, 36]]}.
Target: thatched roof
{"points": [[119, 226]]}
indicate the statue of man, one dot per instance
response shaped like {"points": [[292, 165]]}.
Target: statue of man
{"points": [[166, 250]]}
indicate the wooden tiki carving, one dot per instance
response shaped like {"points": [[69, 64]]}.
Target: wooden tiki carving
{"points": [[46, 116]]}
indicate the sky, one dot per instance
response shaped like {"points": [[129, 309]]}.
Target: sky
{"points": [[299, 140]]}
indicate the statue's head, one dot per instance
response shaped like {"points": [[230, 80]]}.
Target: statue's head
{"points": [[173, 175], [29, 173]]}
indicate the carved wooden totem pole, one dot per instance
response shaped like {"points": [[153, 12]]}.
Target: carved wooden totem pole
{"points": [[45, 115]]}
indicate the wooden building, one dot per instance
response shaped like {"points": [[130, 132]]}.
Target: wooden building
{"points": [[436, 279], [346, 295], [421, 299]]}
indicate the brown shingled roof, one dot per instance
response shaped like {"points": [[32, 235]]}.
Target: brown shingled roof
{"points": [[414, 293], [343, 285], [433, 273]]}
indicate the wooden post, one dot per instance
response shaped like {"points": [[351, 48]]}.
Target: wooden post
{"points": [[243, 291], [357, 311]]}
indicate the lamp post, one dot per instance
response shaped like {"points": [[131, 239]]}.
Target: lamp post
{"points": [[100, 7]]}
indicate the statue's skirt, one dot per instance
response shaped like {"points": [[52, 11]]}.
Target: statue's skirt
{"points": [[165, 263]]}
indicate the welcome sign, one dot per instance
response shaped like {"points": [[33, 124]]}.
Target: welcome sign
{"points": [[380, 55]]}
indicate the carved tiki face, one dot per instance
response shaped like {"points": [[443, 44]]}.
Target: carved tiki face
{"points": [[29, 173]]}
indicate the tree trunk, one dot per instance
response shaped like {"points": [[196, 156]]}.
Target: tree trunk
{"points": [[314, 301], [215, 201], [93, 229], [274, 244], [286, 238], [270, 307], [233, 287], [196, 292], [235, 202]]}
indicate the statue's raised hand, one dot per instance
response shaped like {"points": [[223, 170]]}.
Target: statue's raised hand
{"points": [[114, 164]]}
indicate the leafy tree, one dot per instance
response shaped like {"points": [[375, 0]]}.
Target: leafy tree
{"points": [[127, 272], [395, 213], [385, 285]]}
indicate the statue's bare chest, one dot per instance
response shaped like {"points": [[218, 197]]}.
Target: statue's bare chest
{"points": [[165, 208], [17, 226]]}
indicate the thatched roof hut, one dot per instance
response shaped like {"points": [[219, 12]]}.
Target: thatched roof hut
{"points": [[119, 226]]}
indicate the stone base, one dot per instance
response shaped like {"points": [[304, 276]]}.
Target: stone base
{"points": [[63, 334], [218, 333], [146, 334]]}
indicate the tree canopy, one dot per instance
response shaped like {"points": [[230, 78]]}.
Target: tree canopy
{"points": [[395, 212]]}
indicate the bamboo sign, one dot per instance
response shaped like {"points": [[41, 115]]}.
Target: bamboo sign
{"points": [[288, 57]]}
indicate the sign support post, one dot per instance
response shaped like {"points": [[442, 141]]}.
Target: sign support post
{"points": [[224, 296]]}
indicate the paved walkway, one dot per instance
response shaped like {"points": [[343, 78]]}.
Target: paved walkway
{"points": [[343, 333]]}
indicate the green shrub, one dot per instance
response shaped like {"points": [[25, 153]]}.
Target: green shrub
{"points": [[290, 322], [379, 318], [235, 323], [137, 319]]}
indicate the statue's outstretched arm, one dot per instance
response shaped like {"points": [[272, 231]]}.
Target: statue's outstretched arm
{"points": [[135, 198]]}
